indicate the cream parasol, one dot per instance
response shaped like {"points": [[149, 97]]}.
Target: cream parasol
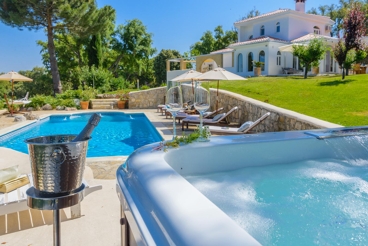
{"points": [[219, 74], [187, 76], [12, 77]]}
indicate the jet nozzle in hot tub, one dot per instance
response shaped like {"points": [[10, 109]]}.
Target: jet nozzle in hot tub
{"points": [[334, 133]]}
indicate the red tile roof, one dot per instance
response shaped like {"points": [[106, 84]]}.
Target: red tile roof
{"points": [[222, 51], [264, 15], [311, 36], [258, 40]]}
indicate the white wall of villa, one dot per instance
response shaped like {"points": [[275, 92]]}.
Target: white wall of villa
{"points": [[174, 73], [266, 37], [227, 59], [285, 24], [263, 36]]}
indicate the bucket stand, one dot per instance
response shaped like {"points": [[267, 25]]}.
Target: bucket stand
{"points": [[55, 202]]}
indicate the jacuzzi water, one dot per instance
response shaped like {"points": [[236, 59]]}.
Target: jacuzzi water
{"points": [[314, 202], [117, 134]]}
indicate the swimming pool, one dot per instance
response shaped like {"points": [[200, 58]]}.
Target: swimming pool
{"points": [[117, 134], [283, 188]]}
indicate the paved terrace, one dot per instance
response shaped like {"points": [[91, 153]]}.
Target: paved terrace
{"points": [[99, 224]]}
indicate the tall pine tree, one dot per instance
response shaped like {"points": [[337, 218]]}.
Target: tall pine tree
{"points": [[53, 15]]}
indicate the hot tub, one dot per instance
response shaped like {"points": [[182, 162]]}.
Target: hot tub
{"points": [[161, 201]]}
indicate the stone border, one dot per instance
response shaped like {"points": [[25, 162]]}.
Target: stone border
{"points": [[250, 110], [147, 98]]}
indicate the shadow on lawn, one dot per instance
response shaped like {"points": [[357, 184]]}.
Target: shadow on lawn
{"points": [[336, 82]]}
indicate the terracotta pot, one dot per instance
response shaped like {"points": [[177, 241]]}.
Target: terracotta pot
{"points": [[121, 104], [315, 70], [257, 71], [84, 104]]}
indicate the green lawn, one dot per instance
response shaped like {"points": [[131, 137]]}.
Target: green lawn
{"points": [[326, 97]]}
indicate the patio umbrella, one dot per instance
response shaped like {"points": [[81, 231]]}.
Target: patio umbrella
{"points": [[219, 74], [13, 76], [187, 76]]}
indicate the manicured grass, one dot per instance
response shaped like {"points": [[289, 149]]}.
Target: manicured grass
{"points": [[344, 102]]}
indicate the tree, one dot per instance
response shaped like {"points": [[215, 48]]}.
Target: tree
{"points": [[354, 56], [132, 45], [94, 51], [354, 30], [205, 46], [211, 43], [40, 84], [252, 13], [159, 64], [310, 54], [53, 15], [340, 53], [224, 39]]}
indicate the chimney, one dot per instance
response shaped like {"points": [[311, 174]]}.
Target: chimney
{"points": [[300, 5]]}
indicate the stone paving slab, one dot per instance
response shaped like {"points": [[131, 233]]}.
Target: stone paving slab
{"points": [[99, 224]]}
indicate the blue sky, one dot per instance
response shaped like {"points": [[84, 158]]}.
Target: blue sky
{"points": [[174, 24]]}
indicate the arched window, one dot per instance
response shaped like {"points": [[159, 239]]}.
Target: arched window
{"points": [[262, 30], [262, 57], [251, 36], [278, 58], [240, 63], [316, 30], [250, 62], [278, 27]]}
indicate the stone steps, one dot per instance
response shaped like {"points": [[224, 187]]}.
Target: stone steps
{"points": [[104, 103]]}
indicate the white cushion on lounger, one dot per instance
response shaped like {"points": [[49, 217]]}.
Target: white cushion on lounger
{"points": [[245, 126], [218, 116]]}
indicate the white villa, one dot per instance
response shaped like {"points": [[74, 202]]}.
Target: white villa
{"points": [[268, 38]]}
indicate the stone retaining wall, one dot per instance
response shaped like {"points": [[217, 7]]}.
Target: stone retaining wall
{"points": [[250, 110], [147, 98]]}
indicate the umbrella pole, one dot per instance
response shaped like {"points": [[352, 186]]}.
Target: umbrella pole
{"points": [[218, 82], [7, 104], [12, 102]]}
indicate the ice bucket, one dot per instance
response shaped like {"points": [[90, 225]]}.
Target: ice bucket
{"points": [[57, 163]]}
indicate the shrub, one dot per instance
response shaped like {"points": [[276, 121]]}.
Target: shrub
{"points": [[88, 94], [144, 87], [52, 101], [37, 101], [2, 104], [69, 94], [67, 103], [131, 86]]}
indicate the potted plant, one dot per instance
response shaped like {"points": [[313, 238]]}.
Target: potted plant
{"points": [[257, 68], [315, 68], [86, 95], [123, 100]]}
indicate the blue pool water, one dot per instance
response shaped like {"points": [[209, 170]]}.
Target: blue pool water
{"points": [[117, 134], [316, 202]]}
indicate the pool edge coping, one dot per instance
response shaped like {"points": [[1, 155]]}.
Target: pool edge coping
{"points": [[160, 128]]}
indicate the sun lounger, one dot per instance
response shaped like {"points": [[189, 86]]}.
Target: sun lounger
{"points": [[207, 115], [23, 101], [245, 128], [220, 119], [16, 200]]}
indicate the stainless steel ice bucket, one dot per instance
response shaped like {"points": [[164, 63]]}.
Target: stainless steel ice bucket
{"points": [[57, 164]]}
